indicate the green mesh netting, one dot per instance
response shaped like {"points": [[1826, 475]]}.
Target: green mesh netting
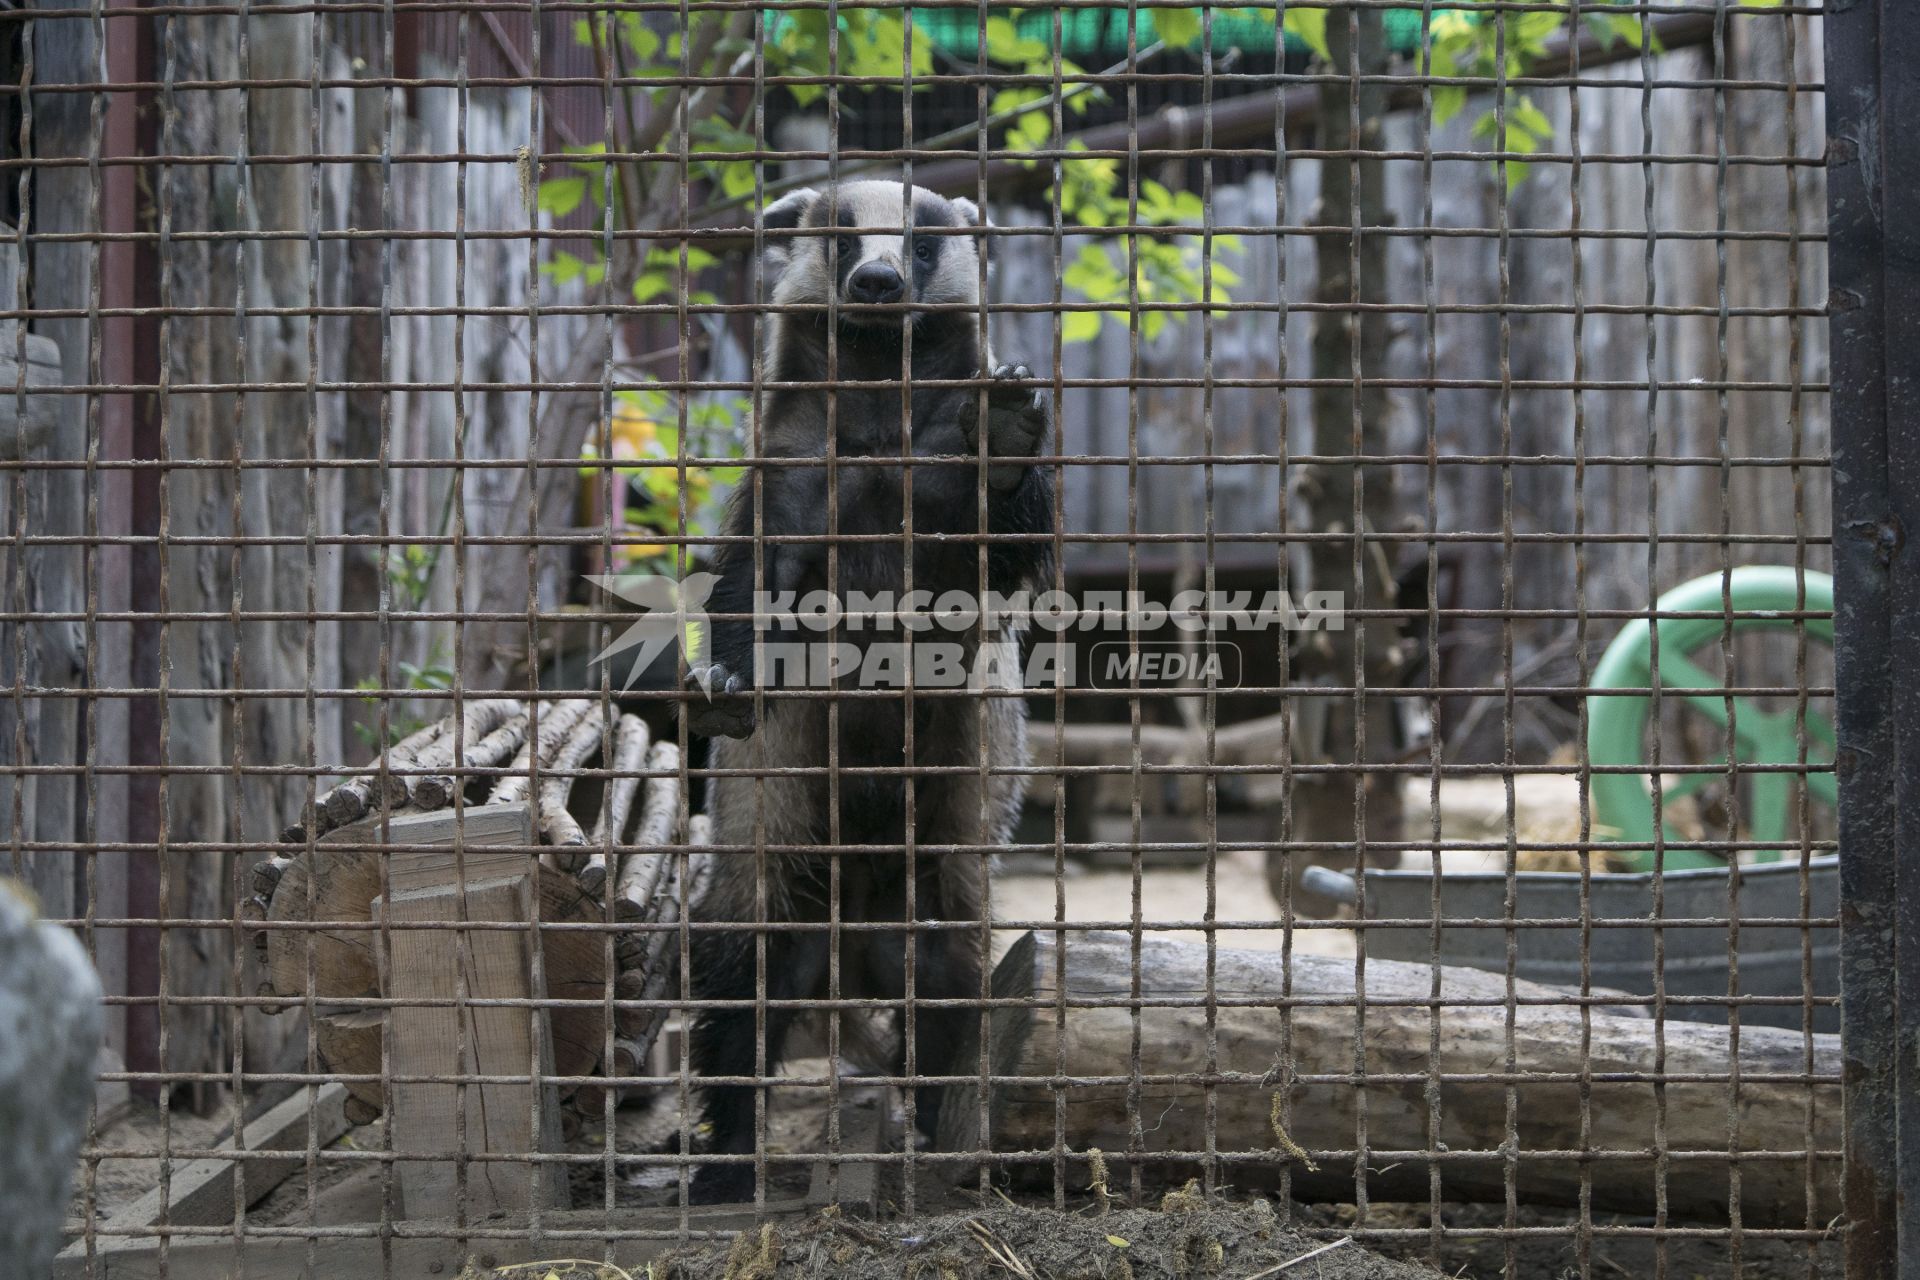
{"points": [[1086, 32]]}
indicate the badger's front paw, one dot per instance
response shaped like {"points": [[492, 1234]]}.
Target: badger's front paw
{"points": [[722, 705], [1017, 423]]}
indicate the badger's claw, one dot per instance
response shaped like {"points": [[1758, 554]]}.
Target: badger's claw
{"points": [[1016, 423], [724, 707]]}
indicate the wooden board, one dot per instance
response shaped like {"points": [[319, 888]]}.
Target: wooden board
{"points": [[446, 1040], [864, 1113], [345, 877], [428, 1249], [200, 1192]]}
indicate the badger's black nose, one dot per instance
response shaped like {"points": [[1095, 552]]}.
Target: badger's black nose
{"points": [[875, 282]]}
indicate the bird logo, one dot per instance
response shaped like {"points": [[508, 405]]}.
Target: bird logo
{"points": [[673, 609]]}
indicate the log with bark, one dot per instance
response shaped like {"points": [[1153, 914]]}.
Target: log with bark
{"points": [[639, 884], [1628, 1104], [630, 741], [658, 877], [491, 731]]}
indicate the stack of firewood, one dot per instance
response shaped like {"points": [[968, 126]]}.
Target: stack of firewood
{"points": [[638, 862]]}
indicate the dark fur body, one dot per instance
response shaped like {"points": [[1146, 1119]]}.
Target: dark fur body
{"points": [[947, 730]]}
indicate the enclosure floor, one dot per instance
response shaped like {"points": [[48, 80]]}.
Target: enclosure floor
{"points": [[1241, 897]]}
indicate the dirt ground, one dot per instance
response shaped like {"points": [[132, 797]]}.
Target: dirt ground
{"points": [[1195, 1240], [1555, 1253], [111, 1182], [1024, 891]]}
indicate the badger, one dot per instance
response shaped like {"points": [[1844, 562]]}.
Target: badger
{"points": [[865, 285]]}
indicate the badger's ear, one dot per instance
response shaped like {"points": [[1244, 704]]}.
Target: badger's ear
{"points": [[785, 214]]}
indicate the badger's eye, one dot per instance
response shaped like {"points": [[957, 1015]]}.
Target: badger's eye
{"points": [[848, 246], [923, 250]]}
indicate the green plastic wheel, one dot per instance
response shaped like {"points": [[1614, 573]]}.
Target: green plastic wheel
{"points": [[1617, 724]]}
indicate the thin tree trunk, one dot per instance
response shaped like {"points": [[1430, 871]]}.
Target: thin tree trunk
{"points": [[1353, 191]]}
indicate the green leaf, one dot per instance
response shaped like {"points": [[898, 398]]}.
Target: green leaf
{"points": [[1079, 326], [1529, 32], [565, 268], [1012, 100], [651, 285], [1615, 26], [640, 38], [1448, 101], [1093, 274], [1005, 43], [1310, 25], [878, 47], [737, 179], [561, 196], [1030, 132], [1180, 28], [1523, 113]]}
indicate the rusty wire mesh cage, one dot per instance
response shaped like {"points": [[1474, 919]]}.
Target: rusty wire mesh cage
{"points": [[865, 638]]}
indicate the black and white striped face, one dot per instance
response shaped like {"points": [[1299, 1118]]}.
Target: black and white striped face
{"points": [[868, 267]]}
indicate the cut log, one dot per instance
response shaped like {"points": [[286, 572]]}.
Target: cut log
{"points": [[630, 739], [557, 720], [491, 730], [355, 798], [660, 814], [652, 890], [343, 880], [1079, 1078], [558, 827], [267, 873], [650, 867]]}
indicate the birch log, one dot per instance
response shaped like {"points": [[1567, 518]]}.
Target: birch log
{"points": [[557, 826], [355, 798], [491, 730], [557, 720], [630, 738], [1079, 1078]]}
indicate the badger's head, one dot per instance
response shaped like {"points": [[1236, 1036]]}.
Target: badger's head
{"points": [[858, 257]]}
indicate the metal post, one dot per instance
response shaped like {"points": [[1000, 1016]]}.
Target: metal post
{"points": [[1874, 169]]}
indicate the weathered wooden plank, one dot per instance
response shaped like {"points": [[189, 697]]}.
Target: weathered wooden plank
{"points": [[855, 1187], [201, 1192], [444, 1040], [427, 1248]]}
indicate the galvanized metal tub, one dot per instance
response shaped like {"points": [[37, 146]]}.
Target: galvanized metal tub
{"points": [[1771, 957]]}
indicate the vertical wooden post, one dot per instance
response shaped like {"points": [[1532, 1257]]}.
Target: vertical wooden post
{"points": [[442, 1039]]}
